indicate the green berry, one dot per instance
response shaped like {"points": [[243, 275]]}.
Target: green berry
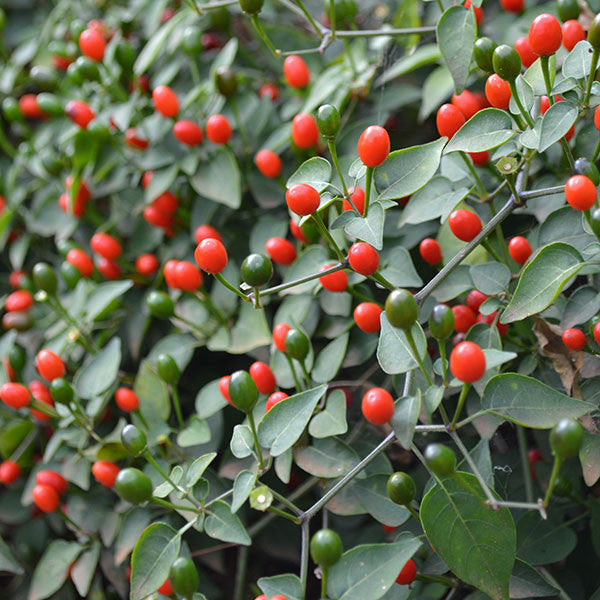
{"points": [[401, 488], [133, 485], [401, 309], [167, 368], [243, 391], [184, 577], [61, 391], [440, 459], [297, 344], [441, 322], [133, 439], [326, 547], [160, 304], [44, 277], [328, 120], [483, 52], [507, 62], [566, 438], [257, 269]]}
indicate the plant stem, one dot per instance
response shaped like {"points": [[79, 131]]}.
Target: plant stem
{"points": [[44, 408], [70, 521], [284, 514], [411, 509], [336, 162], [177, 406], [289, 284], [555, 469], [545, 62], [591, 77], [416, 355], [286, 502], [385, 32], [323, 568], [515, 95], [522, 439], [172, 506], [327, 235], [309, 17], [442, 348], [304, 553], [265, 38], [567, 150], [379, 278], [461, 402], [305, 372], [332, 21], [261, 460], [596, 152], [490, 249], [478, 183], [240, 573], [231, 287], [368, 181]]}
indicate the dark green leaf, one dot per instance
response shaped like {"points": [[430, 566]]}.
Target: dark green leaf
{"points": [[219, 180], [405, 418], [52, 569], [222, 524], [330, 359], [287, 585], [543, 541]]}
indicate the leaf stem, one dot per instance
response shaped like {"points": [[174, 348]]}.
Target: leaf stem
{"points": [[461, 402], [522, 439], [324, 569], [283, 513], [555, 469], [309, 17], [231, 287], [596, 152], [336, 162], [305, 529], [417, 356], [261, 460], [482, 192], [591, 77], [515, 95], [442, 349], [293, 370], [265, 38], [368, 181], [327, 235]]}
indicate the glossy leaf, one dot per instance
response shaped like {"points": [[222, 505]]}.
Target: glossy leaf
{"points": [[490, 278], [543, 541], [286, 585], [330, 359], [405, 418], [242, 486], [486, 129]]}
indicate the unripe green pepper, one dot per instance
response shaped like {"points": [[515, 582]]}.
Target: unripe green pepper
{"points": [[226, 81], [17, 357], [76, 28], [257, 269], [401, 488], [441, 322], [562, 486], [345, 12], [243, 391], [191, 41], [566, 438], [167, 368], [99, 131], [160, 304], [17, 320], [125, 55], [44, 277], [483, 52], [326, 548], [251, 7], [61, 391], [70, 273], [507, 62], [51, 162], [594, 320], [220, 18], [11, 110], [328, 121], [401, 309], [593, 35], [584, 166], [133, 485], [440, 459], [133, 439], [297, 345], [87, 68], [74, 75], [44, 77], [184, 577], [567, 10]]}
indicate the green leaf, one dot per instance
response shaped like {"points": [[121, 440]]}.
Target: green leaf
{"points": [[218, 179], [197, 468], [327, 458], [526, 95], [209, 400], [456, 32], [436, 89], [315, 171], [52, 569], [156, 44], [579, 61], [282, 426], [130, 529], [581, 306], [161, 181], [103, 295], [589, 456], [487, 129], [369, 229], [556, 122], [8, 563], [393, 351], [307, 263], [242, 442], [373, 495], [542, 280], [435, 200], [222, 524], [250, 331], [405, 418], [406, 171], [330, 359], [369, 571], [153, 394], [243, 485], [265, 228], [543, 541], [100, 372], [152, 558], [397, 267], [332, 419], [565, 225], [526, 582], [84, 569], [529, 402], [477, 542], [286, 585], [422, 56], [196, 433], [490, 278]]}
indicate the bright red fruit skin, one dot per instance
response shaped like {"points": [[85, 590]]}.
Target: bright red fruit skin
{"points": [[263, 377], [367, 316], [211, 256], [449, 120], [377, 406], [373, 146], [333, 282], [572, 32], [274, 399], [408, 573], [106, 245], [296, 71], [519, 249], [19, 300], [204, 232], [9, 472], [580, 192], [467, 103], [105, 472], [53, 479], [49, 365], [574, 339], [79, 112], [14, 395], [302, 199], [545, 35], [514, 6], [165, 101], [79, 259], [467, 362], [305, 132], [475, 299], [280, 250], [497, 91], [268, 163], [45, 498], [92, 44], [146, 264], [464, 318], [187, 276], [279, 332], [126, 399], [218, 129], [464, 224], [188, 133], [358, 198], [528, 57], [363, 258], [430, 251], [224, 387]]}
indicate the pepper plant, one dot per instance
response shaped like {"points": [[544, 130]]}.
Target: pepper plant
{"points": [[301, 299]]}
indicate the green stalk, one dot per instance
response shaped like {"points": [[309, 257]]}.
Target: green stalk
{"points": [[325, 233], [289, 284], [413, 347], [596, 152], [442, 348], [231, 287], [283, 513], [515, 95], [257, 298], [261, 460], [324, 569], [461, 402], [332, 17], [309, 17], [522, 439], [172, 506], [491, 250], [411, 509], [368, 181], [264, 36], [293, 370], [305, 372], [482, 192], [177, 405], [379, 278], [591, 77], [336, 162], [555, 469]]}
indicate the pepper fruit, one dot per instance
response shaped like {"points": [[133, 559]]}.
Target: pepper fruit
{"points": [[44, 277], [251, 7], [61, 391], [507, 62], [328, 121], [133, 439], [184, 577], [226, 81], [326, 547], [584, 166], [441, 322], [297, 344], [167, 368], [440, 459], [401, 488], [160, 304], [401, 309], [594, 32], [243, 392], [483, 52], [566, 438], [133, 485], [257, 269]]}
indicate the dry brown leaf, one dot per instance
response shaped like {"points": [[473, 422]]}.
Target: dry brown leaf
{"points": [[566, 363]]}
